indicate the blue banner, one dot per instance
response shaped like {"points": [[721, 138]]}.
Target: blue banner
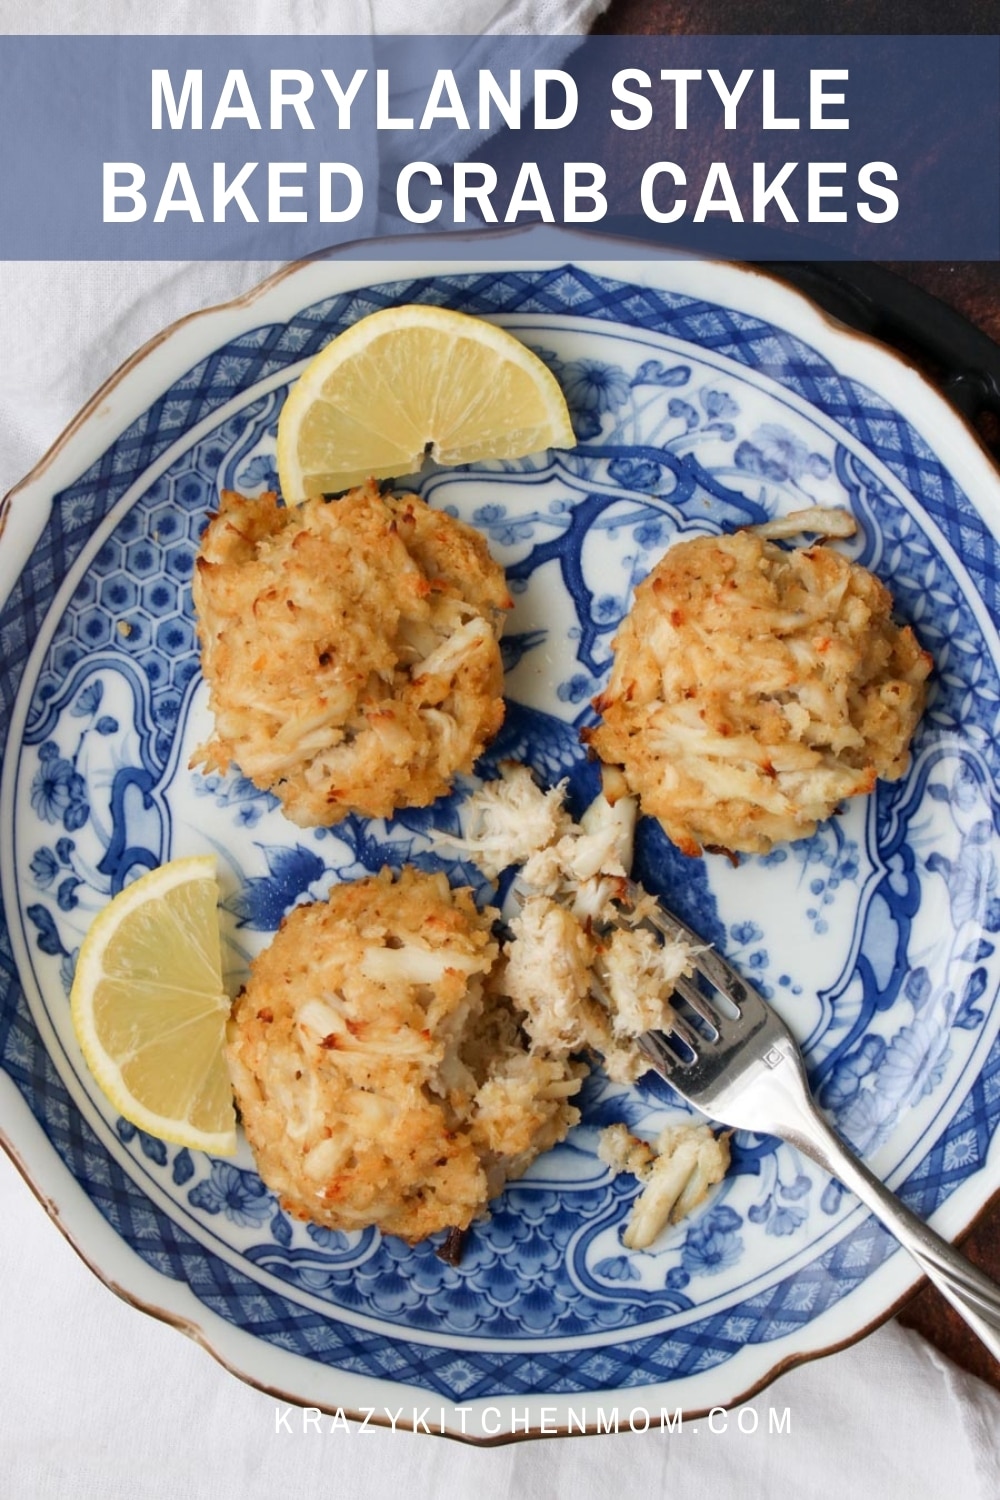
{"points": [[191, 148]]}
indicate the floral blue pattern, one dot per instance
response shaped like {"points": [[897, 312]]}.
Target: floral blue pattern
{"points": [[712, 1244], [899, 902], [240, 1196], [58, 792]]}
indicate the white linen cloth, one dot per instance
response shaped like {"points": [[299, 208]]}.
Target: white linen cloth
{"points": [[98, 1400]]}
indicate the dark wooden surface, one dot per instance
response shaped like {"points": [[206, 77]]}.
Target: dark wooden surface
{"points": [[972, 288], [797, 17]]}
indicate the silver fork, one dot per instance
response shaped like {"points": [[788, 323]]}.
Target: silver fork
{"points": [[739, 1064]]}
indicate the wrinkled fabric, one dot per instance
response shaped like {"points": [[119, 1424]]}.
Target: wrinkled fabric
{"points": [[99, 1401], [66, 326]]}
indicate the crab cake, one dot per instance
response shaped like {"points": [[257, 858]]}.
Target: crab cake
{"points": [[754, 688], [351, 650], [380, 1079]]}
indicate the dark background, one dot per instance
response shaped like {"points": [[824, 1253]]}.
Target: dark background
{"points": [[968, 288]]}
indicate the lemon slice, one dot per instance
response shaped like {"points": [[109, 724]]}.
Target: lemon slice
{"points": [[150, 1011], [410, 382]]}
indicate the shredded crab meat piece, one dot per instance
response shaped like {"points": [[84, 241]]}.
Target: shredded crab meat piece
{"points": [[600, 844], [549, 962], [818, 520], [583, 979], [412, 964], [638, 972], [677, 1173], [508, 819]]}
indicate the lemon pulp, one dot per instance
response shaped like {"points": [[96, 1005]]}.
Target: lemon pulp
{"points": [[150, 1011], [409, 382]]}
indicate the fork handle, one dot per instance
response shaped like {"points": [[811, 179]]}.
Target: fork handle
{"points": [[974, 1295]]}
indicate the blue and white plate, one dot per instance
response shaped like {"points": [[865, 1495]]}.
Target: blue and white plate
{"points": [[704, 397]]}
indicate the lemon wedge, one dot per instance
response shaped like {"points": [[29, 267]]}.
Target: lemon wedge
{"points": [[149, 1008], [410, 382]]}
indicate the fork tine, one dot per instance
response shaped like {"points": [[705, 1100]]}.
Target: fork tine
{"points": [[690, 992], [688, 1034], [664, 1057]]}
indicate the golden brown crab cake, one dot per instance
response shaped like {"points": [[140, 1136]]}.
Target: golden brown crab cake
{"points": [[754, 688], [351, 650], [379, 1080]]}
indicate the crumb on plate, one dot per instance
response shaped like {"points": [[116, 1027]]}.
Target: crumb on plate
{"points": [[676, 1172]]}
